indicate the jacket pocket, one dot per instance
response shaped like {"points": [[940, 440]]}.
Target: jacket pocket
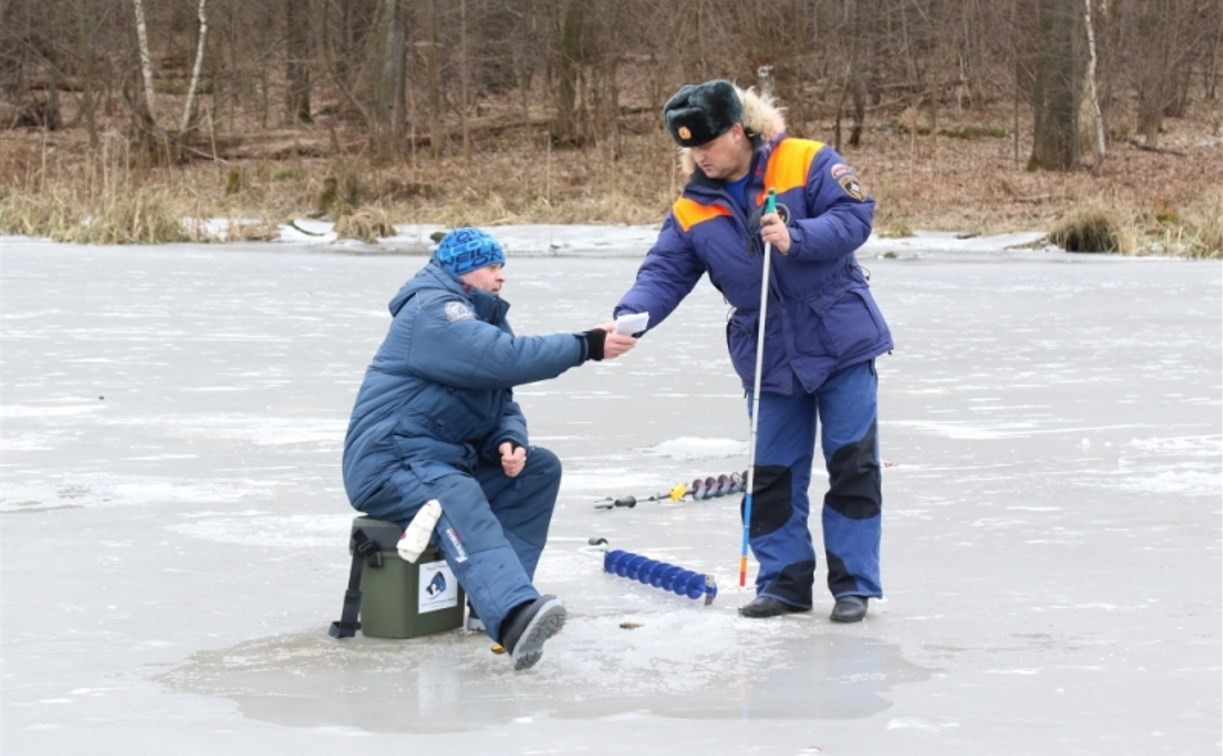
{"points": [[741, 343], [742, 336], [848, 322]]}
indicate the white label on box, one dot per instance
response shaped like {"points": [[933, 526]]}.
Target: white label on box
{"points": [[438, 587]]}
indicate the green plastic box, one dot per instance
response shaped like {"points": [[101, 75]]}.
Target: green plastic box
{"points": [[402, 599]]}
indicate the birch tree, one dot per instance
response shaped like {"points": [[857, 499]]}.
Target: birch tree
{"points": [[1092, 93], [189, 106], [154, 133], [146, 62]]}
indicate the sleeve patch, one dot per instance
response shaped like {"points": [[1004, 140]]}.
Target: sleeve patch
{"points": [[456, 310], [852, 186]]}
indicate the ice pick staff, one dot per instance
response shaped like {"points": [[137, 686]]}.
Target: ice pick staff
{"points": [[770, 206]]}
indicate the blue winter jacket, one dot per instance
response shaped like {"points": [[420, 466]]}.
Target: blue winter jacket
{"points": [[821, 316], [438, 393]]}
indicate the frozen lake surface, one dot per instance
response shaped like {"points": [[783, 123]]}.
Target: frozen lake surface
{"points": [[174, 528]]}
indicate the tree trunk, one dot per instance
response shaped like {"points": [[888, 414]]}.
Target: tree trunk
{"points": [[189, 106], [146, 60], [1054, 143], [297, 70], [565, 131], [84, 42], [464, 81], [1092, 94], [1154, 25], [1214, 72], [385, 61], [858, 53], [433, 79], [1015, 61]]}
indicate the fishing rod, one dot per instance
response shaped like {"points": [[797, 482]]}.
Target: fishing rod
{"points": [[699, 490]]}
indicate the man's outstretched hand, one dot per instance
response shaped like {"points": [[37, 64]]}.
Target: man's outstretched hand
{"points": [[615, 344]]}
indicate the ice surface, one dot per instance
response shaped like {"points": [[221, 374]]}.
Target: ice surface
{"points": [[174, 529]]}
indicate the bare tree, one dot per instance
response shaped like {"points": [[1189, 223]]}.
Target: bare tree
{"points": [[1055, 102], [431, 49], [189, 106], [146, 61], [569, 51], [464, 81], [1168, 35], [160, 142], [297, 70], [1092, 94]]}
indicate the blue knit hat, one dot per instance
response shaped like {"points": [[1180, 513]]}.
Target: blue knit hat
{"points": [[466, 249]]}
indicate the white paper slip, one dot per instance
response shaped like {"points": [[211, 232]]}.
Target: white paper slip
{"points": [[632, 323]]}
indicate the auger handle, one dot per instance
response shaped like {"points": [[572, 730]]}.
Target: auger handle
{"points": [[609, 503]]}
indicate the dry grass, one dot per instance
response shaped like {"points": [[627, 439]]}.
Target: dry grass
{"points": [[1208, 236], [250, 230], [366, 223], [142, 216], [982, 186], [1155, 203], [1090, 229]]}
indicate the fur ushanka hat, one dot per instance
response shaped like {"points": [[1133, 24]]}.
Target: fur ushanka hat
{"points": [[700, 113]]}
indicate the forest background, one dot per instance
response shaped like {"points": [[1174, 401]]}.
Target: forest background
{"points": [[1098, 121]]}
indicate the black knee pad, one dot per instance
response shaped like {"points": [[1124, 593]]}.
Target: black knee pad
{"points": [[855, 485], [771, 504], [840, 581]]}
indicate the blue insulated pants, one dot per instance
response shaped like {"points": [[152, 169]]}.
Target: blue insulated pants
{"points": [[492, 530], [844, 410]]}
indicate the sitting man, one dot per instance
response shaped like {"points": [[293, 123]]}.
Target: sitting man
{"points": [[435, 418]]}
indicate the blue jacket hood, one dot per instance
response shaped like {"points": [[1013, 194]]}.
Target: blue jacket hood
{"points": [[433, 276]]}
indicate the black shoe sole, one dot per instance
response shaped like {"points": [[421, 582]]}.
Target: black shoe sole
{"points": [[547, 622], [771, 608]]}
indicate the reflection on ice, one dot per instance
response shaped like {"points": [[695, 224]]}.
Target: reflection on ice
{"points": [[686, 664]]}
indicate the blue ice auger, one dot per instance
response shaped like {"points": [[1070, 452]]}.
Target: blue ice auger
{"points": [[668, 577]]}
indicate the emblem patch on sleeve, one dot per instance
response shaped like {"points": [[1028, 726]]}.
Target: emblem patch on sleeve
{"points": [[849, 181], [852, 186], [839, 170], [456, 310]]}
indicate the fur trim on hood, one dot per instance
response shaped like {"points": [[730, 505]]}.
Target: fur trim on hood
{"points": [[761, 115]]}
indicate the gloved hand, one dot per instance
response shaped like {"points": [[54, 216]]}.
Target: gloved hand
{"points": [[595, 339]]}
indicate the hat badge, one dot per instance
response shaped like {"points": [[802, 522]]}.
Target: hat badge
{"points": [[683, 132]]}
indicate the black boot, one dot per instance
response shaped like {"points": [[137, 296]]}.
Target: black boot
{"points": [[849, 609], [767, 606], [527, 627]]}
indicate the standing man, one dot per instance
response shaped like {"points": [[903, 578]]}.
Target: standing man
{"points": [[435, 418], [823, 330]]}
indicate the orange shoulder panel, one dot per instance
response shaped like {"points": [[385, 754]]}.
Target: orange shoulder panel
{"points": [[689, 212], [789, 164]]}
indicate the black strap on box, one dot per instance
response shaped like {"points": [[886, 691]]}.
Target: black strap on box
{"points": [[363, 549]]}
